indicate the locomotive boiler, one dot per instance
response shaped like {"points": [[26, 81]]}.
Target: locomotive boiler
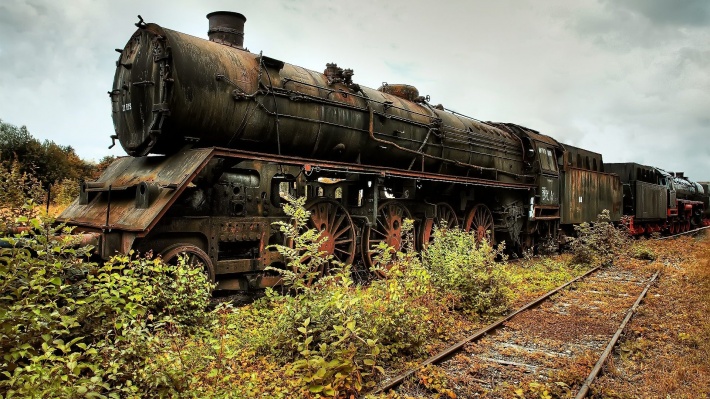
{"points": [[218, 136], [173, 90]]}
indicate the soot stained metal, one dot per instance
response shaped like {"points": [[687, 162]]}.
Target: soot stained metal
{"points": [[173, 90]]}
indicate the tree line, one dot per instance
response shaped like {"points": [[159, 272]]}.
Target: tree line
{"points": [[41, 169]]}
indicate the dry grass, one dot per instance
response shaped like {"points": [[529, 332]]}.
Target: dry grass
{"points": [[666, 350]]}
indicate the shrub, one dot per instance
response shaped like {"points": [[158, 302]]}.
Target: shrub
{"points": [[336, 332], [466, 274], [69, 327], [599, 242]]}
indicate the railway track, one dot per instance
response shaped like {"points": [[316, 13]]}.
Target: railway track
{"points": [[542, 338], [566, 330]]}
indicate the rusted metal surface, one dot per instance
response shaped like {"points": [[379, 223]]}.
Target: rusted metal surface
{"points": [[223, 201], [169, 176], [650, 200], [526, 131], [585, 194], [173, 89], [549, 190], [631, 171], [227, 28], [407, 92], [580, 158], [334, 166]]}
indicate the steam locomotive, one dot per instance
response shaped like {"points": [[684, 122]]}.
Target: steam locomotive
{"points": [[218, 136]]}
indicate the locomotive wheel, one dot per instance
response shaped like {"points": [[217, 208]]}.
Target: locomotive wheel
{"points": [[193, 255], [337, 230], [444, 214], [480, 221], [387, 229], [336, 226]]}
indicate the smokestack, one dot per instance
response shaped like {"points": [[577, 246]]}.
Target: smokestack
{"points": [[227, 28]]}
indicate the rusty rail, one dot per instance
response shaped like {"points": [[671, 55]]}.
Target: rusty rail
{"points": [[448, 352], [694, 231], [597, 368]]}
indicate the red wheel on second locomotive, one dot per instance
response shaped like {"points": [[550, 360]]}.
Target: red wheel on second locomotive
{"points": [[387, 229], [480, 221]]}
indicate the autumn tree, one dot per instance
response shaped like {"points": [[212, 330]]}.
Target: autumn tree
{"points": [[52, 164]]}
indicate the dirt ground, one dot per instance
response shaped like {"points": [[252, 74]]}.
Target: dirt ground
{"points": [[665, 352]]}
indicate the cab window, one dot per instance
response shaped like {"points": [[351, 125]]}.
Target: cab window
{"points": [[547, 159]]}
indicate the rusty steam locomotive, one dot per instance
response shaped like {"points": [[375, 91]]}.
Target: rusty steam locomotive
{"points": [[217, 136]]}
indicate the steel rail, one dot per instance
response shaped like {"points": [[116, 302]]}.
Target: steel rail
{"points": [[696, 230], [584, 390], [448, 352]]}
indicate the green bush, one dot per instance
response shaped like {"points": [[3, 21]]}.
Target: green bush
{"points": [[598, 243], [70, 327], [337, 332], [466, 273]]}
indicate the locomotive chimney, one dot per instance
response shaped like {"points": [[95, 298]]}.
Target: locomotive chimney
{"points": [[227, 28]]}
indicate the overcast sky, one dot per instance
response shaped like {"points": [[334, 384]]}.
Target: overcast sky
{"points": [[627, 78]]}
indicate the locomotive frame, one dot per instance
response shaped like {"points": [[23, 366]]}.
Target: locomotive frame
{"points": [[220, 204]]}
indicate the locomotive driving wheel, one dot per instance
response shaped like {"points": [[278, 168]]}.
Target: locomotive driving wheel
{"points": [[479, 220], [336, 226], [193, 256], [337, 232], [387, 229], [445, 216]]}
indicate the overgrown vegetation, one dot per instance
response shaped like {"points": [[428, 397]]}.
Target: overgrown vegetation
{"points": [[70, 327], [598, 243], [136, 327], [466, 274]]}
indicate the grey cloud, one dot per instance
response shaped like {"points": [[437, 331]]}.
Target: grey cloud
{"points": [[663, 12]]}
